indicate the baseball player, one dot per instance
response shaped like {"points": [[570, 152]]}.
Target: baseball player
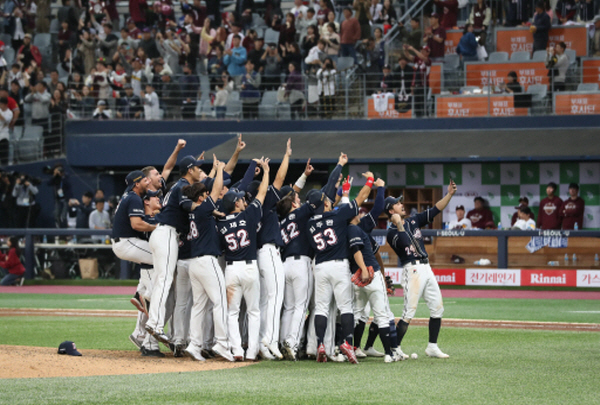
{"points": [[238, 233], [405, 237], [206, 276], [172, 220], [158, 180], [328, 232]]}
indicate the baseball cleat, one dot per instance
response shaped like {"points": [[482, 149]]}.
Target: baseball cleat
{"points": [[371, 352], [194, 353], [359, 353], [273, 347], [238, 358], [223, 352], [139, 303], [208, 354], [178, 350], [399, 354], [151, 353], [348, 351], [321, 354], [388, 359], [266, 354], [288, 352], [135, 342], [434, 351], [164, 339]]}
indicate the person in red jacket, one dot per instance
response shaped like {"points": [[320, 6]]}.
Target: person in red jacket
{"points": [[10, 263], [29, 52], [449, 11], [549, 214], [572, 209], [481, 217]]}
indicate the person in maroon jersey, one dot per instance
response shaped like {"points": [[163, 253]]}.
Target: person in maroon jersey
{"points": [[420, 83], [572, 209], [434, 38], [449, 11], [481, 217], [549, 214]]}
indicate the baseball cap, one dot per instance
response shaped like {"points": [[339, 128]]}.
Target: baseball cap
{"points": [[459, 207], [316, 199], [426, 48], [188, 162], [130, 20], [101, 102], [390, 201], [165, 72], [209, 182], [146, 29], [132, 178], [152, 193], [230, 198], [68, 347], [286, 191], [252, 189], [27, 36], [435, 15], [521, 201]]}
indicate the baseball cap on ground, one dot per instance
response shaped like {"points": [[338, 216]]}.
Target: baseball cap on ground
{"points": [[68, 347], [188, 162], [230, 198], [132, 178], [389, 202]]}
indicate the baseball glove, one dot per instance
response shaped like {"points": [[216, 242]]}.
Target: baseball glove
{"points": [[356, 278], [390, 285]]}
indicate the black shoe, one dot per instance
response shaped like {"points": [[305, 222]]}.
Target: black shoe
{"points": [[151, 353], [207, 354], [178, 351]]}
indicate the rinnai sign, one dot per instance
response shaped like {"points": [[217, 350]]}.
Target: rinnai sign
{"points": [[450, 276], [549, 278], [493, 277]]}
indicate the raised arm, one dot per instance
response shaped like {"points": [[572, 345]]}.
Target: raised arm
{"points": [[264, 184], [283, 168], [301, 182], [172, 160], [218, 182], [248, 176], [236, 154], [441, 204], [379, 197], [366, 190], [330, 188]]}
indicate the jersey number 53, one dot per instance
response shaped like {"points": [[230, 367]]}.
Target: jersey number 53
{"points": [[325, 238]]}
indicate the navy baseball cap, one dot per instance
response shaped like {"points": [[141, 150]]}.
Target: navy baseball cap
{"points": [[132, 178], [316, 198], [69, 348], [252, 189], [230, 198], [189, 162], [389, 202], [286, 191], [209, 181], [152, 193]]}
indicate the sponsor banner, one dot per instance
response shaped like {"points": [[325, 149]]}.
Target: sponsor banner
{"points": [[520, 39], [590, 70], [549, 278], [450, 276], [497, 277], [484, 74], [576, 103], [452, 39], [477, 106], [588, 278], [383, 106], [435, 78]]}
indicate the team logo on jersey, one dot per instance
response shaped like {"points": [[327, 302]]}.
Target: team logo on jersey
{"points": [[292, 217], [549, 208], [476, 217], [413, 222], [418, 234]]}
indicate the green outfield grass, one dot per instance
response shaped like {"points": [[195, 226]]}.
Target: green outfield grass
{"points": [[586, 311]]}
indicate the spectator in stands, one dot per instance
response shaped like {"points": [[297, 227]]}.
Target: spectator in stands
{"points": [[379, 42], [7, 10], [84, 103], [549, 213], [27, 209], [480, 17], [413, 37], [40, 103], [16, 28], [151, 103], [170, 96], [525, 221], [291, 54], [129, 106], [294, 91], [53, 81], [256, 54], [244, 10], [84, 209], [572, 209], [223, 89], [557, 62], [190, 93], [299, 9], [99, 79], [372, 63], [249, 39], [523, 202], [310, 40], [14, 106], [481, 217], [386, 83], [420, 84], [87, 46], [108, 45], [101, 112], [449, 11], [512, 84], [518, 12], [566, 11], [61, 185], [388, 15], [58, 111], [596, 37], [349, 34], [403, 79], [435, 36], [287, 30], [235, 58], [460, 222], [134, 32], [585, 10], [99, 219], [375, 10], [325, 7], [363, 16], [28, 53], [8, 217], [305, 21], [326, 88], [236, 29], [11, 268], [250, 92], [5, 118], [272, 71], [467, 46], [148, 44], [330, 19], [68, 13], [66, 39], [216, 64], [540, 27], [332, 39]]}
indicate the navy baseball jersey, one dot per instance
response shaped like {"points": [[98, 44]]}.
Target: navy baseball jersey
{"points": [[294, 233], [238, 232], [203, 235], [152, 221], [409, 245], [131, 205], [359, 239], [329, 233], [185, 247], [176, 207], [269, 231], [369, 221]]}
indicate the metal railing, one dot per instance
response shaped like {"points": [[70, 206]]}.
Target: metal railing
{"points": [[35, 140]]}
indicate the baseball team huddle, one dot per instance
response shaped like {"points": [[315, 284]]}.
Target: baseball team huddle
{"points": [[247, 270]]}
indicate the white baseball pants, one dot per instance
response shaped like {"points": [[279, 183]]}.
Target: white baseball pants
{"points": [[332, 279], [375, 295], [419, 281], [242, 281], [183, 303], [164, 245], [272, 286], [134, 250], [298, 290]]}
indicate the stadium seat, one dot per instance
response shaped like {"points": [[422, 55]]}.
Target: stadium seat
{"points": [[539, 99], [496, 57], [267, 110], [43, 41], [62, 73], [54, 26], [284, 111], [572, 54], [451, 62], [7, 39], [344, 62], [539, 56], [29, 147], [234, 96], [520, 56], [271, 36], [9, 55], [234, 108], [587, 87], [258, 21]]}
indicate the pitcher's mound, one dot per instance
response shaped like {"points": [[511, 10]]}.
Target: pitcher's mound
{"points": [[38, 362]]}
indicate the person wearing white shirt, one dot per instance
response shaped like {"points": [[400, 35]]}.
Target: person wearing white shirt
{"points": [[524, 223], [299, 9], [375, 10], [460, 222], [6, 116], [151, 104], [314, 55], [99, 219]]}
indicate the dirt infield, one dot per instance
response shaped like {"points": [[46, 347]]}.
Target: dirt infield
{"points": [[42, 362]]}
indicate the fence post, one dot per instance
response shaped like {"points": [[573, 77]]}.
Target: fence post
{"points": [[347, 101], [29, 256], [502, 250]]}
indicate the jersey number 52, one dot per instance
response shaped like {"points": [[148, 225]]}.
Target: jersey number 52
{"points": [[327, 237], [237, 240]]}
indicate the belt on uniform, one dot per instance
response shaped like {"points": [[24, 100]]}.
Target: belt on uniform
{"points": [[413, 262], [229, 263], [339, 260], [295, 257], [117, 240]]}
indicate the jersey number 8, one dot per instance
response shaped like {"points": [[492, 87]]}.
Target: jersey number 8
{"points": [[237, 240], [328, 237]]}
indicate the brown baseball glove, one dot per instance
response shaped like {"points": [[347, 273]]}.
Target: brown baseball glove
{"points": [[356, 278]]}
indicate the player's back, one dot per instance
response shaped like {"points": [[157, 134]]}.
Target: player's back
{"points": [[172, 212], [295, 234], [329, 233], [238, 233], [130, 205]]}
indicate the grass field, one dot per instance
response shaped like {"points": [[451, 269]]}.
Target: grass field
{"points": [[487, 366]]}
